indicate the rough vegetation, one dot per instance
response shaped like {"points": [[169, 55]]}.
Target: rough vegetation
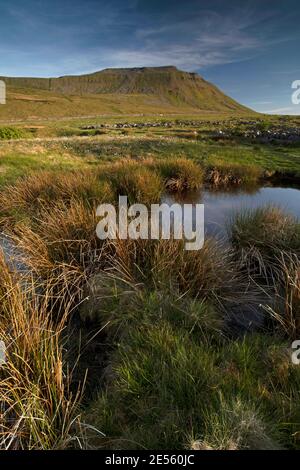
{"points": [[9, 133], [135, 344]]}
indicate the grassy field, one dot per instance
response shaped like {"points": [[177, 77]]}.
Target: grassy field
{"points": [[63, 145], [130, 344]]}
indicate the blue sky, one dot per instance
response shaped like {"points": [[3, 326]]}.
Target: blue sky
{"points": [[250, 49]]}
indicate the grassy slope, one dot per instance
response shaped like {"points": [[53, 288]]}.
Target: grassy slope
{"points": [[35, 105], [158, 90]]}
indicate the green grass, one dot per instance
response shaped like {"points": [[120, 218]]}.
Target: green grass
{"points": [[181, 174], [10, 133], [267, 243], [40, 411], [139, 183], [65, 142], [251, 162], [15, 164], [170, 372], [174, 385]]}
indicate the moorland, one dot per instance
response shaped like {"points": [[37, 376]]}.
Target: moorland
{"points": [[137, 344]]}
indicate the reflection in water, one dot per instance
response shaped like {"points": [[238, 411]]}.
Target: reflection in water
{"points": [[220, 206]]}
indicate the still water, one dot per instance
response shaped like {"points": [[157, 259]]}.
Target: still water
{"points": [[220, 206]]}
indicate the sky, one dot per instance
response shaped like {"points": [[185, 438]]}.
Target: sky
{"points": [[249, 49]]}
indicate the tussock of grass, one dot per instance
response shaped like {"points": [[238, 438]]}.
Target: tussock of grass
{"points": [[181, 174], [207, 286], [68, 230], [266, 227], [261, 235], [224, 174], [210, 273], [235, 425], [267, 242], [39, 411], [32, 194], [137, 181], [61, 248], [286, 311]]}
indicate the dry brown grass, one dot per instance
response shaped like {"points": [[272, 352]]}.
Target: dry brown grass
{"points": [[286, 311], [236, 426], [208, 274], [267, 243], [38, 408], [34, 193], [138, 180], [180, 174], [62, 248], [223, 174]]}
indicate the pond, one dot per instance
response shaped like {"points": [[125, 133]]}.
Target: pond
{"points": [[220, 206]]}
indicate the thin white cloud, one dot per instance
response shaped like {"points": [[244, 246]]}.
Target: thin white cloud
{"points": [[292, 110], [200, 46], [194, 40], [261, 103]]}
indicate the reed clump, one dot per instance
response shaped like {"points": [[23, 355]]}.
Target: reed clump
{"points": [[180, 174], [264, 233], [267, 243], [210, 275], [61, 248], [38, 409], [29, 195], [221, 174], [137, 180]]}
